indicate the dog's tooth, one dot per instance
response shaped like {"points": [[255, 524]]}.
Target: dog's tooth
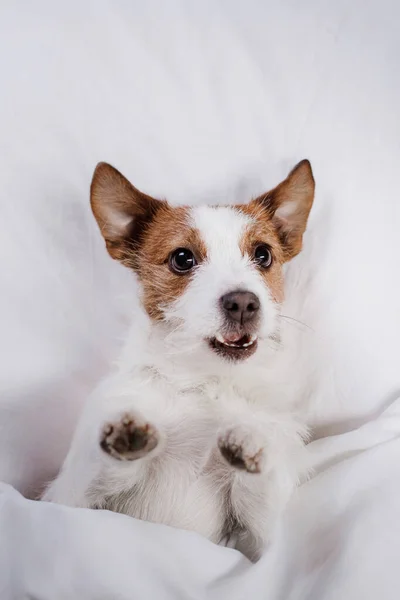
{"points": [[250, 343], [220, 338]]}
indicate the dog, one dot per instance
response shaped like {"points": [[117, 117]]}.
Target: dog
{"points": [[190, 429]]}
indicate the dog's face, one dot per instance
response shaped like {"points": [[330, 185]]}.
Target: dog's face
{"points": [[211, 273]]}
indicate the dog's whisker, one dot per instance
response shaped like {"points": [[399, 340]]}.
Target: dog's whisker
{"points": [[292, 320]]}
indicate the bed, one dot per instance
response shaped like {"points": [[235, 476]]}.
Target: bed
{"points": [[194, 101]]}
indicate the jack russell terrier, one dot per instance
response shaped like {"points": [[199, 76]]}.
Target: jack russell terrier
{"points": [[188, 430]]}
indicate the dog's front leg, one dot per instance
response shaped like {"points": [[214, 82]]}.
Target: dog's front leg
{"points": [[265, 455], [120, 432]]}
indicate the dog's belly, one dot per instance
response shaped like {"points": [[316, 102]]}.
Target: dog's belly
{"points": [[175, 495]]}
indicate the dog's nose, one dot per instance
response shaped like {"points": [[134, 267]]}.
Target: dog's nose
{"points": [[241, 307]]}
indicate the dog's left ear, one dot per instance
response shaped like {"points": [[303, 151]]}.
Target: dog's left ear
{"points": [[289, 205]]}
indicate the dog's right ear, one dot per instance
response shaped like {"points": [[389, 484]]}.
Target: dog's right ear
{"points": [[122, 212]]}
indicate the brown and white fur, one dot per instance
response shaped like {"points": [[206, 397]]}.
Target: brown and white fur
{"points": [[191, 430]]}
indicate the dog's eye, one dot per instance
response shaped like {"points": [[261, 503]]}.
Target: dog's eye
{"points": [[181, 260], [263, 256]]}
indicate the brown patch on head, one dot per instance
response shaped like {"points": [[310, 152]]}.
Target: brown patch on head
{"points": [[169, 230], [141, 232], [261, 231], [279, 219]]}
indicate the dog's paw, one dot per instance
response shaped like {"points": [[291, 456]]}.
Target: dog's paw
{"points": [[129, 437], [243, 448]]}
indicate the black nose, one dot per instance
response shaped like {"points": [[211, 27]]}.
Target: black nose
{"points": [[241, 307]]}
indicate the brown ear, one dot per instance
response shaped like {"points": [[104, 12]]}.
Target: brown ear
{"points": [[289, 205], [122, 212]]}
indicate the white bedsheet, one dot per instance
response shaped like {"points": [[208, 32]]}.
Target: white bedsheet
{"points": [[193, 100], [340, 538]]}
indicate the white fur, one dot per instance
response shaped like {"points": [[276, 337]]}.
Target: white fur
{"points": [[196, 401]]}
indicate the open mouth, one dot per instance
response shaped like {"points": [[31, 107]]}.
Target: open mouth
{"points": [[234, 347]]}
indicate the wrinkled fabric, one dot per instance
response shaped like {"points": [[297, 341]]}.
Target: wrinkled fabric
{"points": [[340, 538]]}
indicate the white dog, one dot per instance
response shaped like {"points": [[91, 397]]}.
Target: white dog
{"points": [[191, 429]]}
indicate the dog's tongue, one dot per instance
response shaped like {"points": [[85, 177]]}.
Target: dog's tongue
{"points": [[232, 338]]}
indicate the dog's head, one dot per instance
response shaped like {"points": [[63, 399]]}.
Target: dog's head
{"points": [[213, 273]]}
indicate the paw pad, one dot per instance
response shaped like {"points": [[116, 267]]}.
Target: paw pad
{"points": [[128, 438], [241, 454]]}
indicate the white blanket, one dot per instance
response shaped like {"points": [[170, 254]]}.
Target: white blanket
{"points": [[340, 538], [199, 100]]}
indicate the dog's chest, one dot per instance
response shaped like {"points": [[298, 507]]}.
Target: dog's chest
{"points": [[226, 397]]}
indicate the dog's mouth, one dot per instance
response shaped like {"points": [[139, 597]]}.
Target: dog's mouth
{"points": [[234, 346]]}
